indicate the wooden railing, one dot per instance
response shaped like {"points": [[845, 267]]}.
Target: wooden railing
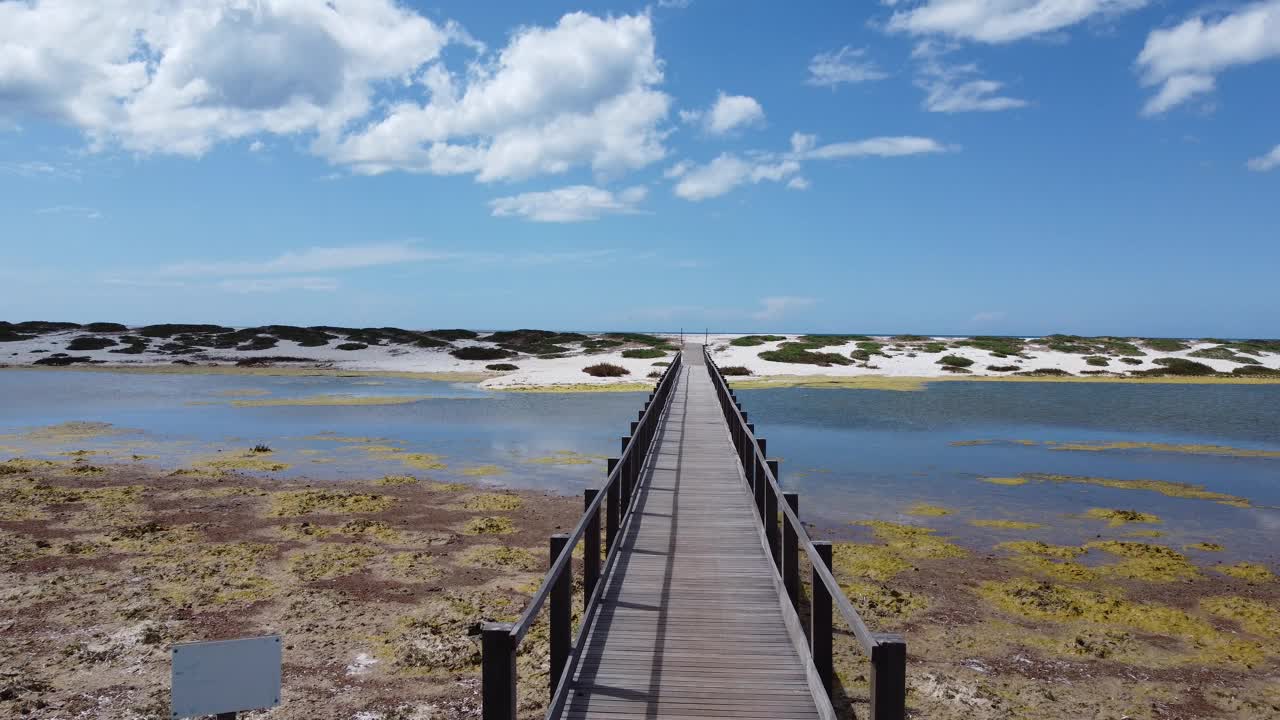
{"points": [[887, 651], [500, 641]]}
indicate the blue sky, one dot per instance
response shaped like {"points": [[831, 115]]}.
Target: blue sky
{"points": [[931, 166]]}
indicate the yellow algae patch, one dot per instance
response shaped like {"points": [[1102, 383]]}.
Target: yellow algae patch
{"points": [[1190, 449], [564, 457], [1251, 572], [218, 574], [249, 461], [1035, 547], [493, 501], [875, 562], [27, 498], [333, 400], [420, 461], [877, 601], [414, 566], [856, 382], [1145, 533], [1005, 480], [381, 449], [334, 437], [392, 480], [1143, 561], [1253, 616], [69, 431], [330, 560], [970, 443], [1164, 487], [244, 392], [501, 557], [1007, 524], [483, 471], [489, 525], [1116, 518], [1204, 547], [576, 387], [1061, 570], [292, 503], [927, 510], [913, 540]]}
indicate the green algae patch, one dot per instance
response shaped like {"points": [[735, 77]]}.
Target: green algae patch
{"points": [[1253, 616], [1145, 533], [1060, 570], [1143, 561], [1164, 487], [489, 525], [1204, 547], [330, 560], [483, 471], [1116, 518], [72, 431], [1011, 481], [250, 462], [394, 480], [332, 401], [25, 498], [419, 461], [1247, 571], [1006, 524], [488, 502], [291, 503], [913, 540], [875, 562], [564, 457], [500, 557], [927, 510], [1188, 449], [1035, 547], [375, 529]]}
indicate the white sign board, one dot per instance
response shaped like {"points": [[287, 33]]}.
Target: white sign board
{"points": [[225, 676]]}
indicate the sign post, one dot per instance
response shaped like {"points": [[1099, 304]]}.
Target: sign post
{"points": [[225, 677]]}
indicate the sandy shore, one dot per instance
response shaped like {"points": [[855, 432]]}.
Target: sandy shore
{"points": [[868, 361], [377, 587]]}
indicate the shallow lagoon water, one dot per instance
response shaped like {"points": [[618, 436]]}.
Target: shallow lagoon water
{"points": [[852, 454]]}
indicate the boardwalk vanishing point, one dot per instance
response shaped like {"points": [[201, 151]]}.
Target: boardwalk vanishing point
{"points": [[695, 611]]}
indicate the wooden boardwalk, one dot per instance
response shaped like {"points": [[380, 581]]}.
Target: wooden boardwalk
{"points": [[692, 621]]}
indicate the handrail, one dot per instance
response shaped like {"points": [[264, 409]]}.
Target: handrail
{"points": [[882, 648], [501, 640]]}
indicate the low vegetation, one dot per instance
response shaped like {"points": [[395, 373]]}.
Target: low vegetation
{"points": [[605, 370], [502, 367], [802, 353], [90, 343], [733, 370], [955, 361], [644, 353], [477, 352], [754, 340]]}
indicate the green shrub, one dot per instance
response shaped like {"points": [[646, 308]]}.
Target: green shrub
{"points": [[933, 347], [601, 344], [90, 343], [606, 370], [1165, 344], [735, 370], [644, 353], [662, 363], [1130, 361], [994, 344], [955, 361], [456, 334], [753, 340], [818, 341], [502, 367], [871, 347], [1256, 371], [860, 355], [641, 338], [352, 346], [1178, 366], [100, 327], [1097, 360], [910, 338], [955, 369], [477, 352], [801, 353], [169, 330], [1045, 372], [1003, 368], [1223, 352]]}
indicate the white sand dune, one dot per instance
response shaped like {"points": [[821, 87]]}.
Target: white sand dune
{"points": [[900, 360]]}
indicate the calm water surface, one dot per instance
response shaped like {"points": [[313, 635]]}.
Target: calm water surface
{"points": [[852, 454]]}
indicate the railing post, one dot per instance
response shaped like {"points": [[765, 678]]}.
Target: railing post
{"points": [[561, 612], [889, 677], [820, 618], [625, 475], [590, 547], [613, 512], [791, 549], [771, 517], [498, 672]]}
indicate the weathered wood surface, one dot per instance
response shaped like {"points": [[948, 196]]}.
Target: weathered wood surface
{"points": [[691, 621]]}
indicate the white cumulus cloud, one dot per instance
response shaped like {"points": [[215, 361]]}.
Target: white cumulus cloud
{"points": [[1266, 162], [1001, 21], [575, 203], [727, 113], [846, 65], [1183, 60]]}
